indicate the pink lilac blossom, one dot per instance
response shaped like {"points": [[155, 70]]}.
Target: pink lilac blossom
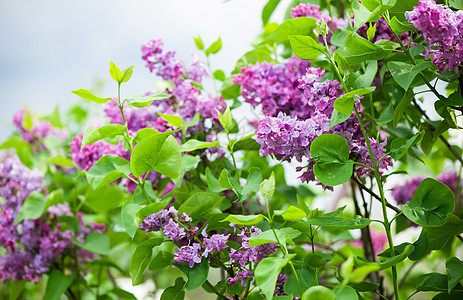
{"points": [[274, 87], [442, 29], [286, 138], [90, 154]]}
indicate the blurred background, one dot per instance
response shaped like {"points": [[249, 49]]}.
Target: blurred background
{"points": [[50, 48]]}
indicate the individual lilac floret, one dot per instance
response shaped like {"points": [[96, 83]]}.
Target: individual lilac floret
{"points": [[242, 275], [442, 30], [90, 154], [274, 87]]}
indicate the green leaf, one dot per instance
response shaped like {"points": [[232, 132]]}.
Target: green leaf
{"points": [[127, 73], [401, 107], [147, 100], [404, 73], [225, 119], [192, 145], [196, 275], [219, 75], [93, 134], [319, 292], [214, 48], [23, 149], [345, 292], [115, 73], [244, 220], [95, 242], [107, 169], [57, 284], [148, 210], [307, 278], [439, 236], [291, 213], [160, 153], [314, 261], [345, 103], [338, 223], [458, 4], [199, 43], [285, 235], [298, 26], [400, 146], [267, 271], [16, 289], [161, 258], [143, 134], [33, 208], [128, 212], [268, 10], [62, 161], [267, 187], [122, 294], [446, 113], [331, 152], [213, 183], [431, 204], [227, 182], [365, 80], [201, 205], [173, 120], [175, 292], [434, 282], [104, 198], [454, 99], [371, 31], [337, 118], [87, 95], [454, 268], [305, 47], [246, 143], [386, 116], [357, 50], [252, 183], [400, 28], [141, 257]]}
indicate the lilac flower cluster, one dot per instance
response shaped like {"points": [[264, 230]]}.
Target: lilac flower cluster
{"points": [[274, 87], [286, 138], [31, 246], [38, 131], [442, 29], [90, 154], [187, 99], [382, 32], [178, 228], [403, 193], [246, 254]]}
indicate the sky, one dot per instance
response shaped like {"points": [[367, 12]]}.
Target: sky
{"points": [[49, 48]]}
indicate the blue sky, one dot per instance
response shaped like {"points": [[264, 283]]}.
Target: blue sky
{"points": [[51, 47]]}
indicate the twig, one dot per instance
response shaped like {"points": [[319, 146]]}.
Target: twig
{"points": [[369, 191]]}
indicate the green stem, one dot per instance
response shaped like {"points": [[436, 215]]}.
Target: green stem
{"points": [[208, 62], [209, 285]]}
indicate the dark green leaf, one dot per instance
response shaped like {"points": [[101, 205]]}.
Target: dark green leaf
{"points": [[331, 152], [57, 284], [400, 146], [435, 282], [357, 50], [141, 257], [439, 236], [307, 278], [365, 80], [201, 205], [252, 183], [196, 275], [454, 268], [431, 204], [337, 118], [175, 292], [386, 115], [401, 107], [399, 27], [404, 73], [150, 209]]}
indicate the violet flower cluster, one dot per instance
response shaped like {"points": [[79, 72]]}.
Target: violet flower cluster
{"points": [[403, 193], [32, 246], [442, 29], [287, 137], [274, 87]]}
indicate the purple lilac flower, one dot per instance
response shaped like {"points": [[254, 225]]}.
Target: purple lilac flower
{"points": [[286, 138], [242, 275], [274, 87], [31, 246], [382, 32], [279, 285], [442, 29], [90, 154], [216, 241], [190, 254]]}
